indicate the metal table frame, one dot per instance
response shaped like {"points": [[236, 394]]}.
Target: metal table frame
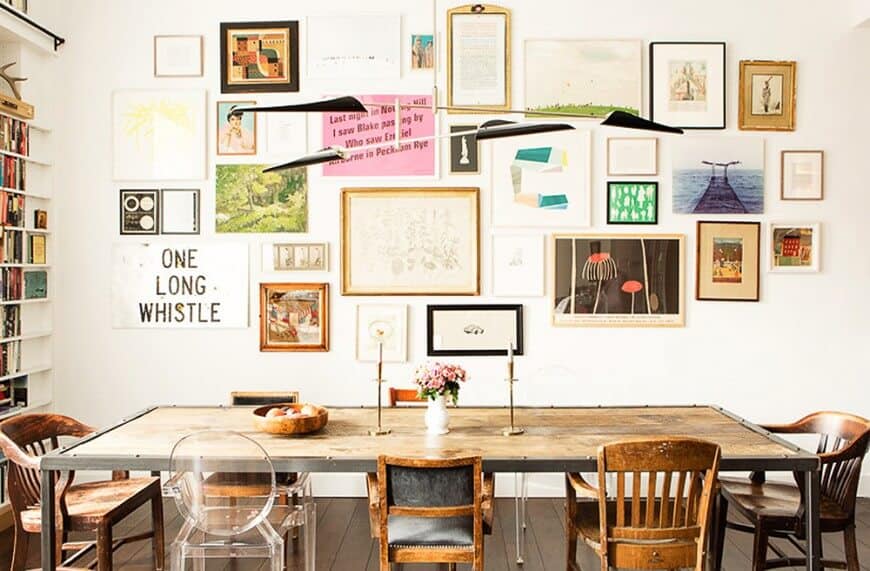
{"points": [[66, 459]]}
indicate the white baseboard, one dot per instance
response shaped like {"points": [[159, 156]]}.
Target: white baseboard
{"points": [[864, 486]]}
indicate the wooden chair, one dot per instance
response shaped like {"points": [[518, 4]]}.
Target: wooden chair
{"points": [[430, 511], [92, 507], [774, 510], [657, 524]]}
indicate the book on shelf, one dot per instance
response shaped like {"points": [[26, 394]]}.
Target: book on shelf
{"points": [[37, 248], [11, 209], [35, 284], [10, 358], [12, 247], [11, 283], [14, 136], [10, 320], [12, 172]]}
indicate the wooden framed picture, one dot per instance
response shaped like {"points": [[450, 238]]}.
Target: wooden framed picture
{"points": [[632, 156], [296, 256], [179, 211], [727, 261], [687, 84], [468, 330], [40, 219], [478, 57], [387, 323], [178, 56], [294, 317], [635, 202], [410, 241], [464, 150], [518, 265], [802, 175], [259, 57], [767, 95], [617, 280], [794, 247], [237, 131], [139, 212]]}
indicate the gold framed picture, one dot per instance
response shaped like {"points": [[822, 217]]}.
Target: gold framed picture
{"points": [[727, 261], [294, 317], [767, 95]]}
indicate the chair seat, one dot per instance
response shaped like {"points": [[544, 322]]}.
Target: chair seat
{"points": [[777, 505], [238, 484], [90, 503], [407, 531]]}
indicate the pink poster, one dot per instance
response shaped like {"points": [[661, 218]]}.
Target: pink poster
{"points": [[360, 131]]}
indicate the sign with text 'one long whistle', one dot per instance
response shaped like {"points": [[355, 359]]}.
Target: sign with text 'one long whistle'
{"points": [[180, 285]]}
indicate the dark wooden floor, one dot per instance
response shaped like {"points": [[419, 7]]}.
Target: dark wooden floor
{"points": [[343, 542]]}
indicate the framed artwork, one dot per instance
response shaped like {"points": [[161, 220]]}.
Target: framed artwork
{"points": [[259, 57], [37, 249], [542, 181], [294, 317], [606, 76], [478, 57], [517, 265], [178, 56], [159, 134], [718, 175], [687, 84], [410, 241], [467, 330], [634, 202], [237, 131], [286, 134], [139, 212], [727, 261], [40, 219], [354, 46], [767, 95], [385, 322], [794, 248], [620, 280], [422, 51], [179, 211], [632, 156], [36, 284], [297, 256], [249, 200], [464, 151], [802, 175]]}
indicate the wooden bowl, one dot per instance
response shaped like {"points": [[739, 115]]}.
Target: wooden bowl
{"points": [[288, 425]]}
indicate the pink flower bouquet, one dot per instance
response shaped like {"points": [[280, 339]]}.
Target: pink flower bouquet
{"points": [[439, 379]]}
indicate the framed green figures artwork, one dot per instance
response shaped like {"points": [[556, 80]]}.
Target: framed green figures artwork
{"points": [[259, 57], [794, 248], [727, 261], [632, 202]]}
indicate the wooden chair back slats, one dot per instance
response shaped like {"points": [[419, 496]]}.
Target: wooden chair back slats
{"points": [[620, 499]]}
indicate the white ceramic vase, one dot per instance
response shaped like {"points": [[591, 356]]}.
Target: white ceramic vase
{"points": [[437, 417]]}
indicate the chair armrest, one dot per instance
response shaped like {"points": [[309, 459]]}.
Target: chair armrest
{"points": [[372, 489], [581, 487]]}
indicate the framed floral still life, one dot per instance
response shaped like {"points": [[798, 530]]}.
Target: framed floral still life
{"points": [[802, 175], [727, 261], [259, 57], [794, 248], [767, 95], [294, 317]]}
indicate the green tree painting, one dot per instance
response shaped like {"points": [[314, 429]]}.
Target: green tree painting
{"points": [[249, 200]]}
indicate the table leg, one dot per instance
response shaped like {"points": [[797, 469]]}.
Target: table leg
{"points": [[813, 530], [49, 531], [520, 514]]}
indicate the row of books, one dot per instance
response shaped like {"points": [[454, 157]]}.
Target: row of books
{"points": [[14, 136], [11, 283], [12, 251], [10, 358], [11, 209], [10, 320], [15, 390], [12, 172]]}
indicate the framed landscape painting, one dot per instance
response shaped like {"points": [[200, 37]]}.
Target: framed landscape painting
{"points": [[767, 95], [252, 201], [727, 261], [259, 57], [687, 84], [794, 248], [294, 317]]}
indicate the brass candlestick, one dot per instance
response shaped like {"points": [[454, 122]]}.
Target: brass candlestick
{"points": [[380, 430], [511, 430]]}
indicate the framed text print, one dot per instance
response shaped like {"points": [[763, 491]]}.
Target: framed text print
{"points": [[478, 58]]}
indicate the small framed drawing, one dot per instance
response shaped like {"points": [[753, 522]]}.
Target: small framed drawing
{"points": [[517, 265], [632, 156], [259, 57], [464, 150], [385, 322], [294, 317], [802, 175], [178, 56], [296, 257], [237, 131], [40, 219], [727, 261], [139, 212], [687, 84], [422, 51], [179, 211], [286, 134], [794, 247], [632, 202], [478, 38], [453, 330], [767, 95]]}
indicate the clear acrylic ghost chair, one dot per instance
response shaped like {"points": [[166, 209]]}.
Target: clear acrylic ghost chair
{"points": [[242, 520]]}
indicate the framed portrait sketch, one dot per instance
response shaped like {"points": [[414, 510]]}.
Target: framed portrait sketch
{"points": [[632, 156], [294, 317], [687, 84], [179, 210], [259, 57], [464, 150], [634, 202], [178, 56], [236, 131], [767, 95], [456, 330], [478, 57], [794, 247], [139, 212], [518, 265], [387, 323], [727, 261], [802, 175], [410, 241], [618, 280]]}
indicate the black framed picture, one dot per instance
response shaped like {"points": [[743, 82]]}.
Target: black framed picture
{"points": [[632, 202], [139, 212], [687, 84], [464, 151], [486, 329], [259, 57]]}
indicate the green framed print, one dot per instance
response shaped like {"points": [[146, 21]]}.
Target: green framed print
{"points": [[633, 202]]}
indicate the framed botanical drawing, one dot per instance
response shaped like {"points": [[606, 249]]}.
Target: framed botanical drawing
{"points": [[632, 156], [478, 57], [767, 95], [139, 212], [178, 56], [794, 247], [687, 84], [802, 175], [296, 257], [387, 323], [518, 265], [467, 330], [259, 57], [542, 181], [622, 280], [727, 261], [410, 241], [634, 202], [464, 151], [237, 131], [294, 317], [179, 211]]}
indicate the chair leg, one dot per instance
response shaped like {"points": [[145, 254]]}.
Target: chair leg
{"points": [[719, 530], [851, 549], [104, 546], [19, 549], [759, 550], [176, 560], [158, 541]]}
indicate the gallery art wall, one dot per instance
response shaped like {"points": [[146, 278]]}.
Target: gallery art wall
{"points": [[802, 347]]}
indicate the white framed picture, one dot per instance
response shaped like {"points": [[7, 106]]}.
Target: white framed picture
{"points": [[794, 247], [687, 84], [385, 322], [286, 134], [802, 175], [354, 46], [296, 256], [517, 265], [179, 211], [178, 56], [632, 156]]}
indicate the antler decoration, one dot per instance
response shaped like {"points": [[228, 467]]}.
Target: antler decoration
{"points": [[12, 81]]}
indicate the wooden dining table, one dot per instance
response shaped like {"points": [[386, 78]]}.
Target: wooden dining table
{"points": [[556, 439]]}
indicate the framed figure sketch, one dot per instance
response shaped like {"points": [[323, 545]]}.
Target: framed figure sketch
{"points": [[474, 329], [687, 84]]}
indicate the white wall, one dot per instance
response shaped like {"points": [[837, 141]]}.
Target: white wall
{"points": [[803, 347]]}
